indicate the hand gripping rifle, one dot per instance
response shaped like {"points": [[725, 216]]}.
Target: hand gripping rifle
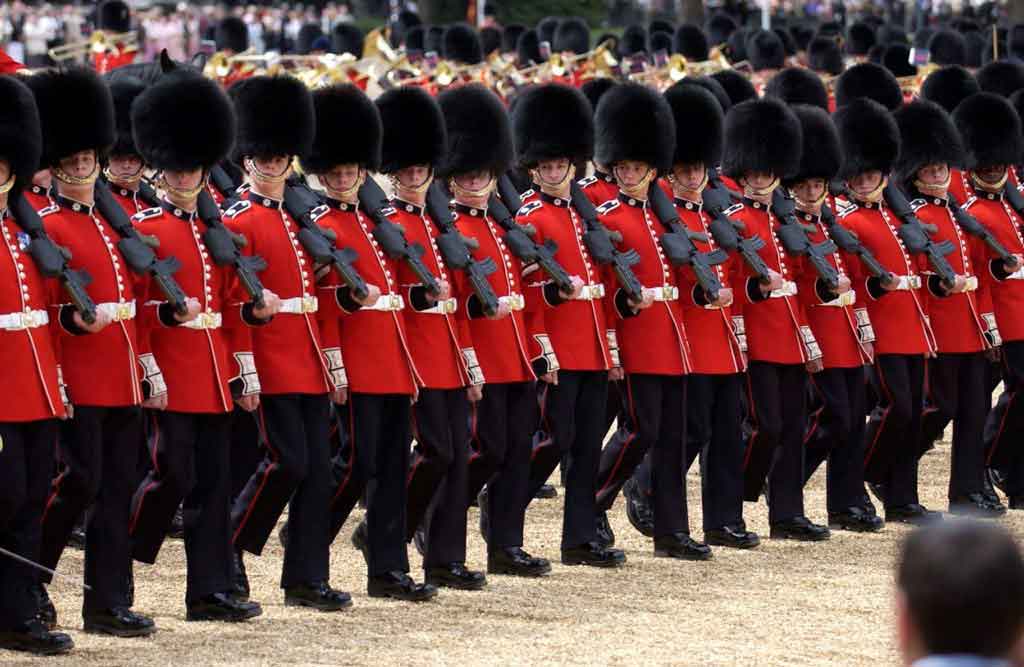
{"points": [[225, 248], [51, 259], [726, 233], [915, 236], [599, 243], [455, 250], [794, 238], [848, 242], [970, 224]]}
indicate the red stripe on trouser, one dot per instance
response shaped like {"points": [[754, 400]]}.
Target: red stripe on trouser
{"points": [[149, 487], [816, 415], [753, 419], [352, 450], [263, 482], [629, 440], [1002, 427], [885, 412]]}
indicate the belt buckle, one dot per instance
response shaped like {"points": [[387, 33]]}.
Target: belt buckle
{"points": [[915, 281], [449, 306], [309, 304], [29, 320], [972, 283], [516, 301], [394, 302], [205, 320], [122, 312]]}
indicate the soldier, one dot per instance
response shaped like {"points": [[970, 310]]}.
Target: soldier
{"points": [[114, 17], [124, 168], [298, 374], [600, 186], [33, 400]]}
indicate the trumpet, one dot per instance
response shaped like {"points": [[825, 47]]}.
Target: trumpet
{"points": [[98, 42]]}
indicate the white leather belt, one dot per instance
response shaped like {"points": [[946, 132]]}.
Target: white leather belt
{"points": [[387, 303], [207, 320], [297, 305], [844, 299], [906, 283], [662, 293], [788, 289], [591, 292], [972, 283], [513, 301], [28, 320], [1016, 275], [118, 312], [443, 307]]}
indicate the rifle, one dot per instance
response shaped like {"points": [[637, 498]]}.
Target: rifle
{"points": [[848, 242], [51, 259], [915, 236], [221, 180], [456, 253], [138, 255], [599, 243], [727, 233], [971, 225], [794, 238], [519, 242], [224, 247], [301, 202]]}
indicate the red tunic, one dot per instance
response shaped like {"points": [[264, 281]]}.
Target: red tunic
{"points": [[993, 211], [129, 200], [38, 197], [112, 58], [599, 188]]}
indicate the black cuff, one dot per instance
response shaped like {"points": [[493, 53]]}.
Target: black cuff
{"points": [[754, 292], [875, 289], [165, 312], [540, 366], [344, 297], [66, 316], [474, 307], [552, 295], [823, 292], [936, 287], [249, 318], [622, 305], [418, 298], [998, 269], [700, 297]]}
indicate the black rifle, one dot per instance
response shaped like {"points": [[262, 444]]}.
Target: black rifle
{"points": [[678, 243], [221, 180], [51, 259], [727, 234], [916, 238], [137, 252], [796, 241], [301, 203], [456, 253], [1014, 197], [390, 236], [599, 243], [519, 242], [970, 224], [224, 247], [848, 242]]}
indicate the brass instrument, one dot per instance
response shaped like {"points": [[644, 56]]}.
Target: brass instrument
{"points": [[98, 42]]}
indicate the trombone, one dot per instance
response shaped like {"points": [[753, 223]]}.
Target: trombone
{"points": [[98, 42]]}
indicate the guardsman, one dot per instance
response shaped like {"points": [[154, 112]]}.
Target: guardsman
{"points": [[383, 380], [763, 140], [231, 37], [124, 167], [599, 186], [298, 374], [414, 144], [33, 400], [553, 128], [114, 17]]}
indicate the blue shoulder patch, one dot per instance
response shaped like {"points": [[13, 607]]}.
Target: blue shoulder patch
{"points": [[584, 182], [238, 207], [148, 213], [608, 206], [527, 209], [734, 209]]}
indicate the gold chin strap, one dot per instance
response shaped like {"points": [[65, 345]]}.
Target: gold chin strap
{"points": [[640, 189], [986, 185], [760, 192], [461, 192], [65, 177], [7, 185], [570, 172], [349, 194], [938, 190], [250, 166], [810, 206], [417, 189], [875, 195], [699, 189], [133, 178], [189, 194]]}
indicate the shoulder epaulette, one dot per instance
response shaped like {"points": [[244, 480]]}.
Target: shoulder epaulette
{"points": [[970, 200], [608, 206], [584, 182], [527, 194], [734, 209], [527, 209], [319, 212], [917, 203], [49, 210], [243, 188], [845, 208], [388, 210], [238, 207], [148, 213]]}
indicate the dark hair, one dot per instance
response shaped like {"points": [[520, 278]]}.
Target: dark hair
{"points": [[964, 587]]}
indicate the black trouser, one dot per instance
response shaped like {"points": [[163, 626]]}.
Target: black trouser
{"points": [[956, 390], [570, 411], [1004, 429], [437, 479], [777, 396], [246, 452], [295, 471], [836, 433], [891, 436], [191, 462], [377, 463], [503, 423], [99, 449], [26, 470]]}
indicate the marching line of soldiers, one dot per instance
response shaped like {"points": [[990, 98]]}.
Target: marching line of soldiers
{"points": [[207, 301]]}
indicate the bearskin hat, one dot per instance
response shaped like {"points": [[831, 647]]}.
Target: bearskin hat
{"points": [[927, 136], [346, 38], [124, 90], [975, 46], [824, 55], [821, 156], [432, 39], [231, 34], [572, 34], [736, 85], [896, 59], [414, 38], [736, 47], [1015, 41], [552, 121], [660, 25], [490, 39], [1017, 102], [690, 42], [461, 44], [308, 34], [348, 130], [594, 89], [796, 85], [948, 86], [183, 122], [510, 36], [114, 16], [877, 54], [860, 37], [948, 47], [720, 26], [528, 49], [710, 85], [1002, 77], [868, 135], [403, 23], [76, 112], [761, 135], [991, 131], [21, 139], [634, 122], [698, 119], [633, 41], [546, 28], [802, 35], [831, 29], [414, 131], [891, 33], [479, 132], [660, 41], [275, 117], [788, 43], [869, 80]]}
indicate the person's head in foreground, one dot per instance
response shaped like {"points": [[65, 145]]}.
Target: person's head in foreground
{"points": [[960, 596]]}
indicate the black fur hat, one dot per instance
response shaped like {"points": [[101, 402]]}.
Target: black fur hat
{"points": [[824, 55], [869, 80], [346, 38], [736, 47], [691, 42], [414, 131], [860, 37], [461, 44], [1015, 41], [76, 112], [896, 59], [948, 86], [21, 139], [432, 40], [660, 41], [868, 135], [183, 122], [414, 38], [877, 54], [275, 117], [510, 36], [594, 89], [546, 28], [528, 49], [490, 39], [991, 131], [736, 85], [405, 21], [308, 33], [832, 29], [348, 130], [948, 47], [891, 33], [698, 119], [572, 34], [821, 156], [765, 50], [479, 132], [114, 16], [788, 43], [660, 25], [796, 85], [710, 85], [231, 34], [762, 135], [124, 90], [1002, 77], [927, 136], [802, 35], [720, 26], [633, 41], [634, 122], [552, 121], [975, 48]]}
